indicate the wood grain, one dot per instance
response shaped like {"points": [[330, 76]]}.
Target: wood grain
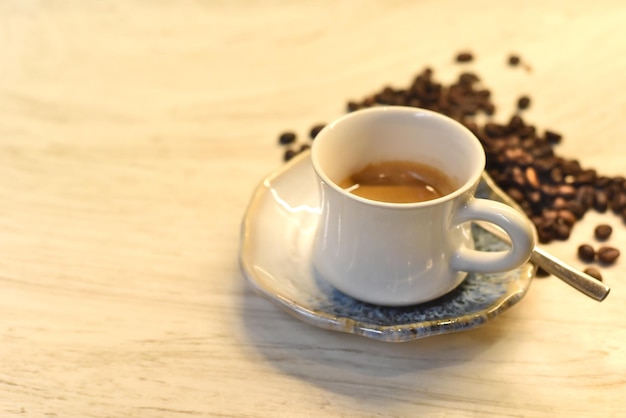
{"points": [[132, 134]]}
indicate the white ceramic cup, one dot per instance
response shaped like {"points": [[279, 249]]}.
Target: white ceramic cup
{"points": [[398, 254]]}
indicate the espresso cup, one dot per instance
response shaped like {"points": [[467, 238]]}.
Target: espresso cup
{"points": [[397, 254]]}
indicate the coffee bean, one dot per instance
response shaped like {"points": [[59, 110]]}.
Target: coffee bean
{"points": [[494, 130], [534, 197], [531, 177], [464, 56], [516, 194], [515, 123], [369, 102], [619, 182], [556, 175], [489, 108], [593, 272], [559, 203], [618, 202], [586, 177], [514, 60], [468, 78], [571, 167], [552, 137], [316, 130], [586, 196], [601, 202], [289, 154], [576, 208], [567, 191], [286, 138], [586, 253], [523, 102], [562, 231], [602, 182], [351, 106], [607, 255], [567, 217], [603, 232], [545, 235]]}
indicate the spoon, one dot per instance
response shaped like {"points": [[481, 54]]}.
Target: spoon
{"points": [[575, 278]]}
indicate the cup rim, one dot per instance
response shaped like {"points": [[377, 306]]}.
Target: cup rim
{"points": [[460, 190]]}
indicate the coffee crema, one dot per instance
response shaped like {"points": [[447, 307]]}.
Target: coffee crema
{"points": [[398, 182]]}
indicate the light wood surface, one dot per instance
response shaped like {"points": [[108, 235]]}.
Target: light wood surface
{"points": [[132, 134]]}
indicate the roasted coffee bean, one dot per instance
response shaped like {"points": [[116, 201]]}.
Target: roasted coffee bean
{"points": [[602, 182], [586, 177], [618, 202], [531, 177], [550, 215], [369, 101], [559, 203], [544, 150], [516, 194], [601, 201], [619, 182], [576, 208], [603, 232], [316, 130], [567, 191], [562, 231], [286, 138], [567, 217], [607, 255], [586, 196], [468, 78], [489, 108], [534, 197], [552, 137], [526, 131], [289, 154], [593, 272], [523, 102], [586, 253], [464, 56], [549, 191], [514, 60], [545, 235], [494, 130], [543, 165], [571, 167], [556, 175], [517, 176], [515, 123], [351, 106]]}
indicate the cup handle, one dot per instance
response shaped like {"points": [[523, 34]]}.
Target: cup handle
{"points": [[516, 226]]}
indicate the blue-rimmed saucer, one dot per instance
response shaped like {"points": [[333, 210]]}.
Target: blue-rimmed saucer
{"points": [[276, 242]]}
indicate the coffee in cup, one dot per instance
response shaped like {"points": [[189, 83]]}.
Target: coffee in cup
{"points": [[398, 181]]}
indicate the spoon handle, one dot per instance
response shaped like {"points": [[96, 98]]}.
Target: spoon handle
{"points": [[580, 281], [573, 277]]}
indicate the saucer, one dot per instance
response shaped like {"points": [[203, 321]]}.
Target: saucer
{"points": [[276, 244]]}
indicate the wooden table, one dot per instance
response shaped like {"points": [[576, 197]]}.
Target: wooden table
{"points": [[132, 135]]}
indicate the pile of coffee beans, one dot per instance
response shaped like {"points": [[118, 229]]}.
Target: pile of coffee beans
{"points": [[555, 192]]}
